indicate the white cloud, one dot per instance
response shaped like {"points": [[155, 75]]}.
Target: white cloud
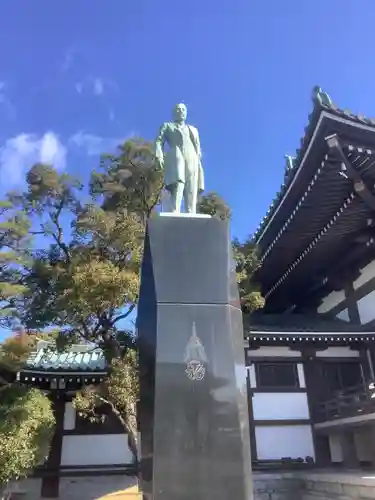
{"points": [[5, 100], [52, 151], [19, 153], [79, 87], [94, 144], [92, 85], [98, 86], [68, 60]]}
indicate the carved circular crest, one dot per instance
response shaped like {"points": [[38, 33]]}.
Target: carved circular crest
{"points": [[195, 370]]}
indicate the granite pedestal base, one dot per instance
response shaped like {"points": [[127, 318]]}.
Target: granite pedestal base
{"points": [[193, 411]]}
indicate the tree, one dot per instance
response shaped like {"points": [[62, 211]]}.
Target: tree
{"points": [[130, 180], [26, 417], [26, 429], [14, 227], [212, 204], [119, 392], [85, 279], [247, 262]]}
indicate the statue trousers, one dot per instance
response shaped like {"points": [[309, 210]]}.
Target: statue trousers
{"points": [[187, 190]]}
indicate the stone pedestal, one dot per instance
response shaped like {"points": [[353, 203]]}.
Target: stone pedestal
{"points": [[193, 413]]}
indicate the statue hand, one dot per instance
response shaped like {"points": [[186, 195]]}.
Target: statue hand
{"points": [[160, 162]]}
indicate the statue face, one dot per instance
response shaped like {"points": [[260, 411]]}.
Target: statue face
{"points": [[180, 112]]}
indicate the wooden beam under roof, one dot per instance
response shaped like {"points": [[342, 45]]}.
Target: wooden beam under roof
{"points": [[359, 184]]}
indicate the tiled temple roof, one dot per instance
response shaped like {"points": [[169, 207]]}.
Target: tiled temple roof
{"points": [[79, 358], [299, 329], [322, 102], [301, 323]]}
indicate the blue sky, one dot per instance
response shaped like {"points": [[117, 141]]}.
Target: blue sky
{"points": [[76, 77]]}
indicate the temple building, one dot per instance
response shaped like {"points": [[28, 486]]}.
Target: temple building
{"points": [[310, 353]]}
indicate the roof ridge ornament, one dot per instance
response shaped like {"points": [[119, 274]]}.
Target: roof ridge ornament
{"points": [[320, 97], [290, 163]]}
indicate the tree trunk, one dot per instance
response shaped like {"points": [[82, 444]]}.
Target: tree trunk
{"points": [[133, 442], [131, 431], [113, 349]]}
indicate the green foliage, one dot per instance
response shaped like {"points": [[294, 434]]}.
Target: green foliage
{"points": [[130, 179], [14, 227], [14, 351], [246, 258], [26, 417], [85, 281], [49, 190], [26, 429], [120, 392], [87, 277], [212, 204]]}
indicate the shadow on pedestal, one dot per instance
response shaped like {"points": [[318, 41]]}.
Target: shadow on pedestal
{"points": [[193, 409]]}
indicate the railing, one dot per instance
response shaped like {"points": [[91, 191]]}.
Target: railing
{"points": [[349, 402]]}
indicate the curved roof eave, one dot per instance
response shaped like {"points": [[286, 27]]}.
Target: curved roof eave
{"points": [[315, 119]]}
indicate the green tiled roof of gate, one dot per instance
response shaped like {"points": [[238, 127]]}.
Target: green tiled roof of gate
{"points": [[78, 358]]}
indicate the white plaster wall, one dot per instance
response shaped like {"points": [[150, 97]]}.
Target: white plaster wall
{"points": [[367, 273], [370, 363], [343, 315], [252, 376], [69, 417], [338, 352], [241, 374], [366, 308], [301, 375], [276, 442], [269, 352], [335, 448], [363, 445], [331, 301], [280, 406], [95, 450]]}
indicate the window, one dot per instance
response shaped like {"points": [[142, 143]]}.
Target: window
{"points": [[277, 375], [342, 375]]}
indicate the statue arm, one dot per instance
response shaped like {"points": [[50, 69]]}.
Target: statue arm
{"points": [[199, 151], [159, 144]]}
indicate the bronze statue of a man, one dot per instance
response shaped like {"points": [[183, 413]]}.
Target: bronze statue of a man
{"points": [[183, 172]]}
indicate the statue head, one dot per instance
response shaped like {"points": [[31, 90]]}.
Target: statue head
{"points": [[180, 112]]}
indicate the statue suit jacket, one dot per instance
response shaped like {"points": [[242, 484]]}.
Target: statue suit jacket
{"points": [[174, 164]]}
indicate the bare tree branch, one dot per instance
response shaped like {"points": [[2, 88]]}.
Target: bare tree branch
{"points": [[55, 218], [132, 440], [123, 316]]}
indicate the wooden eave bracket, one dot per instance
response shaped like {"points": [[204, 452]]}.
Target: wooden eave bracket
{"points": [[360, 188]]}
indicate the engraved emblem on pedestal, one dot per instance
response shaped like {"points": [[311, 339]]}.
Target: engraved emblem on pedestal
{"points": [[195, 357], [195, 370]]}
